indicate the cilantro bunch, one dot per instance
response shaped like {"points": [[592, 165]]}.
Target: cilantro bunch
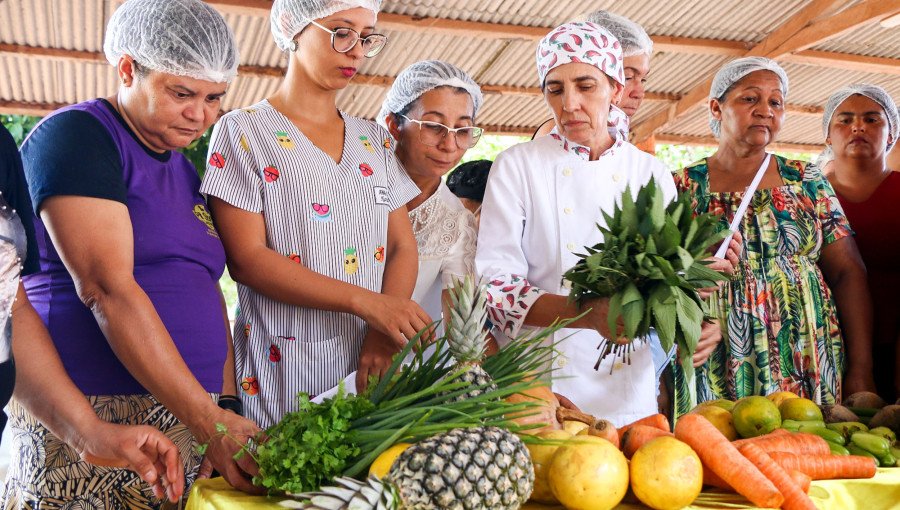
{"points": [[650, 266]]}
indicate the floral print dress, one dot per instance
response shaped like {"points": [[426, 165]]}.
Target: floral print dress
{"points": [[779, 324]]}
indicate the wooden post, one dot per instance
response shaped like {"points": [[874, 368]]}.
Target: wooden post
{"points": [[648, 145]]}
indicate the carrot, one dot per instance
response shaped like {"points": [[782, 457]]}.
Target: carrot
{"points": [[658, 421], [798, 442], [794, 497], [714, 480], [827, 467], [723, 459], [802, 479], [637, 436]]}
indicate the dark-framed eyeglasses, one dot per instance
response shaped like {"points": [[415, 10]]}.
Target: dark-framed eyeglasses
{"points": [[344, 39], [432, 133]]}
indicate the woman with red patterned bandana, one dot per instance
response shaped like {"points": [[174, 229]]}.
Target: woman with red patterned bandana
{"points": [[542, 201]]}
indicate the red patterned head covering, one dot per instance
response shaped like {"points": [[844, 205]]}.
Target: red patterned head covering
{"points": [[580, 42]]}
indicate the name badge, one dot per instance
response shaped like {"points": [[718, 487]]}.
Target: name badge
{"points": [[381, 195]]}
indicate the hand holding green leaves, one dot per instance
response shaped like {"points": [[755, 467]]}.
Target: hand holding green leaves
{"points": [[650, 265]]}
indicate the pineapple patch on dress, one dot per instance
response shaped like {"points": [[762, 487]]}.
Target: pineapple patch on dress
{"points": [[284, 140], [351, 261], [367, 144]]}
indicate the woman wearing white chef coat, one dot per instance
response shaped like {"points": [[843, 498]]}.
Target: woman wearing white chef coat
{"points": [[542, 202]]}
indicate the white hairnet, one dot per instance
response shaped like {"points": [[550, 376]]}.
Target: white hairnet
{"points": [[873, 92], [733, 71], [180, 37], [419, 78], [631, 36], [290, 17], [824, 157]]}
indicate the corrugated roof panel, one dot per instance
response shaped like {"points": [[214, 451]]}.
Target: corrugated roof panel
{"points": [[677, 73], [813, 84], [870, 40]]}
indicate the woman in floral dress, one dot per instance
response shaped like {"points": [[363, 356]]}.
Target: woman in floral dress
{"points": [[797, 316]]}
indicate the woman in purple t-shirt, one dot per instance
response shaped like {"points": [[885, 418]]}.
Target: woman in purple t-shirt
{"points": [[130, 261]]}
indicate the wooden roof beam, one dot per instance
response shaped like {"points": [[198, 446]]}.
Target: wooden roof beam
{"points": [[795, 34], [28, 108], [846, 61]]}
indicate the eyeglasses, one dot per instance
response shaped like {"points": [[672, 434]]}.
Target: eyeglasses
{"points": [[344, 39], [432, 133]]}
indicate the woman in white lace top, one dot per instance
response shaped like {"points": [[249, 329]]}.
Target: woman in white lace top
{"points": [[430, 112]]}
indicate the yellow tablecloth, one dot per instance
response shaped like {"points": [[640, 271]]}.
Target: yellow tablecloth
{"points": [[879, 493]]}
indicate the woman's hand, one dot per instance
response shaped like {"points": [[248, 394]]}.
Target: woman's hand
{"points": [[598, 318], [375, 358], [397, 318], [221, 450], [727, 265], [139, 448], [710, 337]]}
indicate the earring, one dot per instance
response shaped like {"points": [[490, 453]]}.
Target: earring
{"points": [[293, 47]]}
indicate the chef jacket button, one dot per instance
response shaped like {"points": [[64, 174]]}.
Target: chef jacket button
{"points": [[562, 361], [570, 246], [616, 177], [567, 171], [567, 284], [567, 210]]}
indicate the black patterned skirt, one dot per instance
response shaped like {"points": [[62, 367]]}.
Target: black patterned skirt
{"points": [[46, 473]]}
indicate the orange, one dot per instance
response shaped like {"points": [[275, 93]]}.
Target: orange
{"points": [[755, 416], [800, 409], [666, 474], [383, 462], [589, 473], [541, 456], [720, 418]]}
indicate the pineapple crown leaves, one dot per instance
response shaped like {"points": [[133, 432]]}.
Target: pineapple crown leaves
{"points": [[467, 338], [346, 493], [650, 266]]}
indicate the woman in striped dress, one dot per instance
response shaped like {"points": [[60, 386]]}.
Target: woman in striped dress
{"points": [[310, 205]]}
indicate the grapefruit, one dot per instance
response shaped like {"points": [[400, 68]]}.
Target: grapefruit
{"points": [[666, 474], [541, 456], [589, 473]]}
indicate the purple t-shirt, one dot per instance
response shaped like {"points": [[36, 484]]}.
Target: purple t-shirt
{"points": [[88, 150]]}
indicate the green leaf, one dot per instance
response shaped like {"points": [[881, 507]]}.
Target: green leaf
{"points": [[700, 271], [633, 315], [657, 205], [690, 320], [662, 305]]}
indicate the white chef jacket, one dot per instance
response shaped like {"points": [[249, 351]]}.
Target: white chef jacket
{"points": [[541, 206]]}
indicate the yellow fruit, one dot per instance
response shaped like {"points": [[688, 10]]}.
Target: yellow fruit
{"points": [[725, 404], [574, 427], [800, 409], [778, 397], [720, 418], [383, 462], [755, 416], [666, 474], [541, 456], [589, 473]]}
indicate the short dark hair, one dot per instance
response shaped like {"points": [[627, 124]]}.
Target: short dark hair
{"points": [[469, 179]]}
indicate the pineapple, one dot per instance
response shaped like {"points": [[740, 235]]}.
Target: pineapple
{"points": [[463, 469], [467, 338]]}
